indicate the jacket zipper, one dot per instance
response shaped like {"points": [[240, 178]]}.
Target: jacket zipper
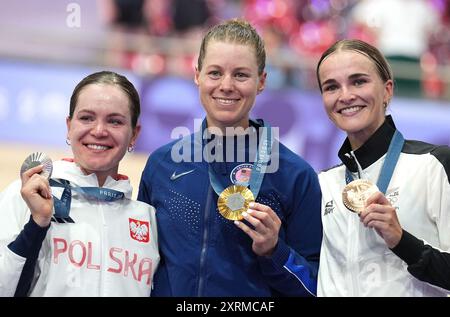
{"points": [[204, 243], [353, 245], [102, 247]]}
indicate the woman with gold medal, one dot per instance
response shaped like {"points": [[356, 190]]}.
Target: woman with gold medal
{"points": [[239, 214], [386, 223]]}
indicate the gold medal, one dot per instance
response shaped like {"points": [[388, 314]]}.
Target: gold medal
{"points": [[233, 201], [356, 193]]}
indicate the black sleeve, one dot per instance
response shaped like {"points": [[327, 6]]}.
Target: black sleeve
{"points": [[424, 262]]}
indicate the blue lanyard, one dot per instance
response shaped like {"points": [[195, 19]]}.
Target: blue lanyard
{"points": [[387, 170], [259, 166], [62, 206]]}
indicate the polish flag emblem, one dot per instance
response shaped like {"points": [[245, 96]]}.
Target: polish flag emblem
{"points": [[139, 230]]}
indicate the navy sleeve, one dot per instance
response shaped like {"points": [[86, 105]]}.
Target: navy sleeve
{"points": [[28, 244], [161, 281], [144, 193], [293, 267]]}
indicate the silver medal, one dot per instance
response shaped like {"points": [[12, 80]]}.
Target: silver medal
{"points": [[235, 201], [35, 159]]}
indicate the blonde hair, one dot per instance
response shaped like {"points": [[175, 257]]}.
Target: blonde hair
{"points": [[235, 31]]}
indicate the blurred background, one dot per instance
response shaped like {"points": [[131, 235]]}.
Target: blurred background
{"points": [[48, 46]]}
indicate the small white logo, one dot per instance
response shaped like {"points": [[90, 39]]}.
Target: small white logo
{"points": [[175, 175], [73, 20]]}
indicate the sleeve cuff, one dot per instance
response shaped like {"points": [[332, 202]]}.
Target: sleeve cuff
{"points": [[409, 249], [279, 256], [29, 241]]}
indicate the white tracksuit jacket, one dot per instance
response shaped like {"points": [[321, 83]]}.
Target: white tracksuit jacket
{"points": [[355, 260], [110, 249]]}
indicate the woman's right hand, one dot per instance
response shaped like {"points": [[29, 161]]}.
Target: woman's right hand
{"points": [[37, 195], [382, 216]]}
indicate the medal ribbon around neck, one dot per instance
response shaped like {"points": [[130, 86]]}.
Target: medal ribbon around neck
{"points": [[62, 206], [387, 170], [235, 199]]}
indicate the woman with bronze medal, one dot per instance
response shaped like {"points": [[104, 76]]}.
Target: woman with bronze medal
{"points": [[238, 213], [386, 209]]}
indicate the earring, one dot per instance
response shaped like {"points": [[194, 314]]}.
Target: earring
{"points": [[130, 148], [68, 141]]}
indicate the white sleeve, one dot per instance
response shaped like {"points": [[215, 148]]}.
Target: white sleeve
{"points": [[13, 215], [11, 266], [439, 196], [443, 222]]}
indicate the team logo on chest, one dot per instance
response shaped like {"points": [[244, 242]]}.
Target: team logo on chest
{"points": [[139, 230], [329, 207], [240, 175]]}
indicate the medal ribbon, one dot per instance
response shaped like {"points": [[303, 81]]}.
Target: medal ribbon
{"points": [[387, 170], [62, 206], [259, 166]]}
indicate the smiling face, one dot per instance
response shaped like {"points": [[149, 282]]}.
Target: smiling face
{"points": [[354, 94], [100, 130], [228, 83]]}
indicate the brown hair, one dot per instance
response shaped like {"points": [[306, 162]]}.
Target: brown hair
{"points": [[380, 62], [235, 31], [109, 78]]}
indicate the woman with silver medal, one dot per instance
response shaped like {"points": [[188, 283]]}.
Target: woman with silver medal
{"points": [[231, 227], [70, 227], [397, 190]]}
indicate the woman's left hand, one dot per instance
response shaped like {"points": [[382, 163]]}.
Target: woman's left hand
{"points": [[266, 227], [381, 215]]}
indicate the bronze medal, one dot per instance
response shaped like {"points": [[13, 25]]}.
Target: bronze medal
{"points": [[356, 193], [233, 201], [35, 159]]}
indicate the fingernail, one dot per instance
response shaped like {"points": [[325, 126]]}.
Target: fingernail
{"points": [[244, 214], [251, 205], [236, 223], [249, 211]]}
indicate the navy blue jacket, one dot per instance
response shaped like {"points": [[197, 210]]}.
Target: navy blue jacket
{"points": [[204, 254]]}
